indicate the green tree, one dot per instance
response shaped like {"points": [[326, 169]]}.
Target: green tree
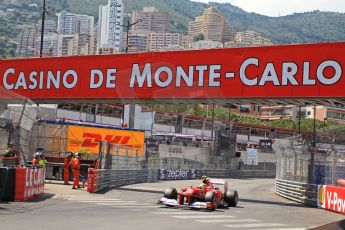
{"points": [[199, 37]]}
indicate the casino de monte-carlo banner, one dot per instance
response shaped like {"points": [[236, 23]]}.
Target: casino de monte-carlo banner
{"points": [[288, 71]]}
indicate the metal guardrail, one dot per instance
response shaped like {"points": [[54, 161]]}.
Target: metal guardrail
{"points": [[114, 178], [109, 178], [297, 191], [236, 173]]}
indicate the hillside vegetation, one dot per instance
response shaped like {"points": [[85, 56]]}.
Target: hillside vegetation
{"points": [[307, 27]]}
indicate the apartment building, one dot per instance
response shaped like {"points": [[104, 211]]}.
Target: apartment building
{"points": [[110, 24], [165, 41], [150, 19], [27, 40], [50, 26], [212, 25], [68, 45], [249, 38]]}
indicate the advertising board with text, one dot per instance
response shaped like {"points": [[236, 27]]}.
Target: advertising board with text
{"points": [[332, 198], [289, 71], [90, 138]]}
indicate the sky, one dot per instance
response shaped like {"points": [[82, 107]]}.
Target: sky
{"points": [[284, 7]]}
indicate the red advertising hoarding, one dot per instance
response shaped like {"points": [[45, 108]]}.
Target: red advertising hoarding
{"points": [[29, 183], [332, 198], [290, 71]]}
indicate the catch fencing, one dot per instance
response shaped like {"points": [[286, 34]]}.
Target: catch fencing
{"points": [[322, 161], [119, 166], [305, 162], [17, 117]]}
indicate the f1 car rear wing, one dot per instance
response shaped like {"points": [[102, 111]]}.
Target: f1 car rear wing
{"points": [[219, 181]]}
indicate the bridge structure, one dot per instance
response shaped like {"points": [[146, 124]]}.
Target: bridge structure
{"points": [[276, 75]]}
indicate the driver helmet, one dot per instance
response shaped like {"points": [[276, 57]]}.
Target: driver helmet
{"points": [[204, 177]]}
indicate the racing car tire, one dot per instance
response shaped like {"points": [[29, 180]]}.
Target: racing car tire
{"points": [[231, 198], [170, 193], [210, 196]]}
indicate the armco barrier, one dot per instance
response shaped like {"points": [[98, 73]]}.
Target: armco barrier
{"points": [[29, 183], [116, 178], [296, 191]]}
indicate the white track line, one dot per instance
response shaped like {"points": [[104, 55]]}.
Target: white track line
{"points": [[184, 213], [283, 229], [255, 225], [106, 201], [131, 206], [228, 221], [202, 217]]}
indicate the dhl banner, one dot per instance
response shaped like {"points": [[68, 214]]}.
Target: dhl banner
{"points": [[288, 71], [332, 198], [90, 138]]}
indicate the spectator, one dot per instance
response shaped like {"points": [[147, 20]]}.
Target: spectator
{"points": [[36, 159], [43, 162]]}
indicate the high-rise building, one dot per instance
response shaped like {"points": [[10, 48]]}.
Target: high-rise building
{"points": [[50, 26], [68, 23], [50, 44], [110, 24], [137, 41], [79, 30], [151, 19], [165, 41], [211, 26], [27, 41], [68, 44]]}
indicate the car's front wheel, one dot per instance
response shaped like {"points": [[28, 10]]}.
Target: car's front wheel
{"points": [[170, 193]]}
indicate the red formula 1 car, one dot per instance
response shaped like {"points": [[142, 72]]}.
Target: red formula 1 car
{"points": [[208, 196]]}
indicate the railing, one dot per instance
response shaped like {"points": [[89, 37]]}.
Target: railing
{"points": [[114, 178], [296, 191]]}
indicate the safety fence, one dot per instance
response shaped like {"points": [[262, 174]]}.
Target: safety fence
{"points": [[297, 191], [306, 163], [120, 166], [109, 178], [319, 161], [17, 117]]}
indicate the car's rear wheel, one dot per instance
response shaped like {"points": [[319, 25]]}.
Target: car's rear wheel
{"points": [[231, 198], [170, 193]]}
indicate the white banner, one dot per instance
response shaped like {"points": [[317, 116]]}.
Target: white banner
{"points": [[252, 156]]}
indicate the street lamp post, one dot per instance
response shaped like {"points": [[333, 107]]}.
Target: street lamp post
{"points": [[132, 106], [42, 29], [128, 26]]}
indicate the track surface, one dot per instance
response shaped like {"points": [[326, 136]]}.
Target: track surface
{"points": [[134, 207]]}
